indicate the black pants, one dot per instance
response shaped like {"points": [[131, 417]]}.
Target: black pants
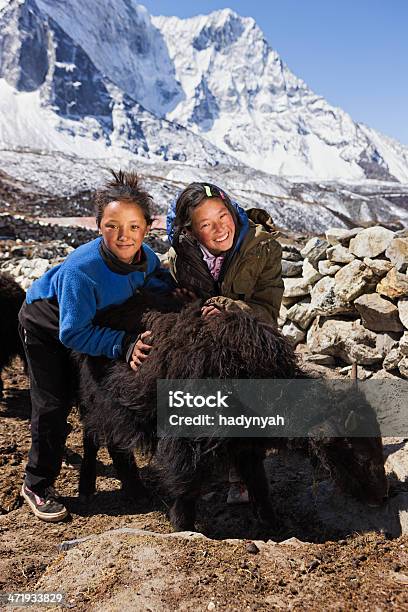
{"points": [[51, 392]]}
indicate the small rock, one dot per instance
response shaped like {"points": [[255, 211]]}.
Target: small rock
{"points": [[327, 268], [295, 287], [301, 314], [386, 342], [291, 256], [403, 343], [293, 333], [339, 254], [325, 360], [393, 285], [309, 273], [392, 360], [252, 548], [380, 267], [362, 373], [211, 606], [381, 374], [291, 268], [314, 564], [314, 250]]}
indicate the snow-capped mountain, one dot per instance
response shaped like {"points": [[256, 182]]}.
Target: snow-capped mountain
{"points": [[244, 99], [52, 96], [104, 78]]}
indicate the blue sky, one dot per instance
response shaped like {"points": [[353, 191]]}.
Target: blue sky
{"points": [[354, 53]]}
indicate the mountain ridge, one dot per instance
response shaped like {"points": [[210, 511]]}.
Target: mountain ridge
{"points": [[205, 90]]}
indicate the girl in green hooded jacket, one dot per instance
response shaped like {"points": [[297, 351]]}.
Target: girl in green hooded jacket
{"points": [[229, 257]]}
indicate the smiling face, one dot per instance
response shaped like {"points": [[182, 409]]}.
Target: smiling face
{"points": [[213, 225], [123, 228]]}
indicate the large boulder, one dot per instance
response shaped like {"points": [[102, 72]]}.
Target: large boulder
{"points": [[340, 235], [326, 301], [371, 242], [378, 314], [347, 340]]}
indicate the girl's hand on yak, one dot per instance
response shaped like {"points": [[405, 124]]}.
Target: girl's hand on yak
{"points": [[140, 351], [209, 311]]}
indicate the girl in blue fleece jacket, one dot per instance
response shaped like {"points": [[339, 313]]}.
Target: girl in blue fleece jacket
{"points": [[58, 315]]}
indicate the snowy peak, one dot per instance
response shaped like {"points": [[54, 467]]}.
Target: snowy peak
{"points": [[23, 58], [220, 32], [38, 55], [124, 45], [242, 97], [52, 95]]}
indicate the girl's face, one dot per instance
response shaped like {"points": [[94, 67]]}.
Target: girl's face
{"points": [[123, 227], [213, 225]]}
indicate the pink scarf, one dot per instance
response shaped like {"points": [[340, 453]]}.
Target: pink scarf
{"points": [[214, 262]]}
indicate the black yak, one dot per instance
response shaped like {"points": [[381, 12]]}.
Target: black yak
{"points": [[12, 297], [118, 408]]}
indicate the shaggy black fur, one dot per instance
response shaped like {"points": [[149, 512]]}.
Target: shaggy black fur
{"points": [[12, 297], [119, 406]]}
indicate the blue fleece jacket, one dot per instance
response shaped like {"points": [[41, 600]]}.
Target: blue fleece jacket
{"points": [[83, 284]]}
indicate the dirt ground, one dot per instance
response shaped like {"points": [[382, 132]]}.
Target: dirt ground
{"points": [[323, 571]]}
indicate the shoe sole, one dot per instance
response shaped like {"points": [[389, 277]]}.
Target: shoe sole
{"points": [[53, 518]]}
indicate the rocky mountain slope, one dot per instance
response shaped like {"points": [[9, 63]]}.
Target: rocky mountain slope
{"points": [[53, 97], [84, 78]]}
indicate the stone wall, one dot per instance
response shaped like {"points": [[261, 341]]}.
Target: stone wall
{"points": [[346, 297]]}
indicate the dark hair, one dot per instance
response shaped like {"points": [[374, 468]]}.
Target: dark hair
{"points": [[125, 187], [191, 197]]}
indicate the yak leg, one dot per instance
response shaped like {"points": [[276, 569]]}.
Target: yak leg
{"points": [[180, 474], [250, 466], [87, 478], [183, 512], [127, 471]]}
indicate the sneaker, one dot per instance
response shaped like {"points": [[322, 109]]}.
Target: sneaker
{"points": [[46, 506], [237, 494]]}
